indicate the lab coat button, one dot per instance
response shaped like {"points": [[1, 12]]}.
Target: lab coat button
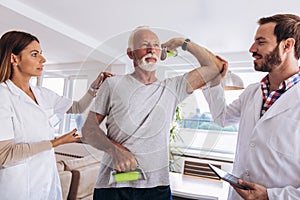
{"points": [[252, 145], [247, 172]]}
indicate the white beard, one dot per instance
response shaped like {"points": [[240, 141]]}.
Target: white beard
{"points": [[147, 66]]}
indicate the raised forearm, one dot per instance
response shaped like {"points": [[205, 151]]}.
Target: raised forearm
{"points": [[210, 66], [81, 105], [204, 56]]}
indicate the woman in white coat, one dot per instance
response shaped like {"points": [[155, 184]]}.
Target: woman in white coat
{"points": [[27, 116], [268, 151]]}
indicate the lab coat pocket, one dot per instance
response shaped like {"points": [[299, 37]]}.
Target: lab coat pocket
{"points": [[7, 126], [285, 137], [52, 117], [54, 120]]}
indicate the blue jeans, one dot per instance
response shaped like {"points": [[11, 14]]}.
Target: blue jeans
{"points": [[157, 193]]}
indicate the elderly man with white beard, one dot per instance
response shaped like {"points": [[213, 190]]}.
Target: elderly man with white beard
{"points": [[139, 109]]}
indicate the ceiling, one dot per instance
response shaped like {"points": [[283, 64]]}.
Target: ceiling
{"points": [[96, 31]]}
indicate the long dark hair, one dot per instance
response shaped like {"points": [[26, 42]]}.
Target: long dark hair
{"points": [[12, 42]]}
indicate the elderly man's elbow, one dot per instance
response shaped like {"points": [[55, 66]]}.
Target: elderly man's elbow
{"points": [[86, 133]]}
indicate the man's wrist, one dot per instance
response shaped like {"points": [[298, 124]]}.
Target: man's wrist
{"points": [[92, 91], [185, 43]]}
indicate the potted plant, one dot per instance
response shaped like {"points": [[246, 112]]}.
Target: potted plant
{"points": [[176, 124]]}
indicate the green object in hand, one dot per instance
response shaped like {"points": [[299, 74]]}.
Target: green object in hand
{"points": [[172, 53], [127, 176]]}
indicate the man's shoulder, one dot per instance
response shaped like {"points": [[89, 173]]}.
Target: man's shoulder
{"points": [[117, 78], [177, 78]]}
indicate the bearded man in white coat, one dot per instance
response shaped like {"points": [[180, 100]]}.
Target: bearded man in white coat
{"points": [[268, 151]]}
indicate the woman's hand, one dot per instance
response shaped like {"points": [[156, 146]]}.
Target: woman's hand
{"points": [[99, 80], [67, 138]]}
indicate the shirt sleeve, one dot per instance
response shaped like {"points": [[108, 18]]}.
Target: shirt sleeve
{"points": [[102, 101], [179, 84], [11, 152]]}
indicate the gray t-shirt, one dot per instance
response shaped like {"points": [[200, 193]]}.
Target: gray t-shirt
{"points": [[139, 117]]}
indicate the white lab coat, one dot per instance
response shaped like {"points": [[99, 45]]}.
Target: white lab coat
{"points": [[21, 119], [268, 148]]}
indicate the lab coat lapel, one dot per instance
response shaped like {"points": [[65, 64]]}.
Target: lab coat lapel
{"points": [[22, 96], [286, 101], [258, 99], [39, 99]]}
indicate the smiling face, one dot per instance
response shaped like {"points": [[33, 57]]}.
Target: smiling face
{"points": [[29, 62], [265, 49], [146, 49]]}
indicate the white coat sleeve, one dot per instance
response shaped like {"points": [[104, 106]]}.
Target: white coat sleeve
{"points": [[289, 193], [6, 116], [223, 114], [59, 104]]}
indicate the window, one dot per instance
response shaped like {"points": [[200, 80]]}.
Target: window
{"points": [[78, 86], [196, 115], [57, 85], [198, 136], [54, 84]]}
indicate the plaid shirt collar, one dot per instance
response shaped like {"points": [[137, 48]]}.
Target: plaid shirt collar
{"points": [[270, 97]]}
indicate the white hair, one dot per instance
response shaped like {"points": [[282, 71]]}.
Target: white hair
{"points": [[137, 29]]}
